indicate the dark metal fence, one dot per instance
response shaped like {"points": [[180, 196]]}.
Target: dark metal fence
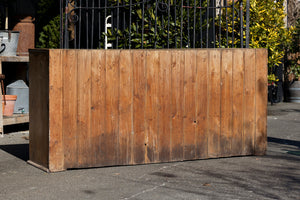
{"points": [[138, 24]]}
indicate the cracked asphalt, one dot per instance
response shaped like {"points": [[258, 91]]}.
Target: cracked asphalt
{"points": [[274, 176]]}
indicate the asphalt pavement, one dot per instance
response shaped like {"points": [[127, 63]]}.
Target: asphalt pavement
{"points": [[273, 176]]}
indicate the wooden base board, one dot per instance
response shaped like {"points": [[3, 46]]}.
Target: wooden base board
{"points": [[38, 166]]}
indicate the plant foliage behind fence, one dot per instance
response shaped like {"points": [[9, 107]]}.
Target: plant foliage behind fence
{"points": [[139, 24]]}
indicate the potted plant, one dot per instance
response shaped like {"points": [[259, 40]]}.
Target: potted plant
{"points": [[294, 66]]}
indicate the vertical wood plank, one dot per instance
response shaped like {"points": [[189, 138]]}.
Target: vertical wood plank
{"points": [[151, 115], [189, 121], [112, 108], [249, 103], [177, 91], [70, 107], [201, 103], [125, 107], [226, 103], [98, 106], [164, 106], [237, 108], [84, 108], [261, 92], [39, 98], [139, 92], [56, 149], [214, 103]]}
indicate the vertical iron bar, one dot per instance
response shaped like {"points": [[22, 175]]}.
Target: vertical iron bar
{"points": [[155, 27], [213, 22], [61, 24], [169, 4], [79, 35], [201, 21], [162, 28], [188, 25], [99, 23], [232, 24], [247, 22], [66, 42], [194, 28], [118, 15], [175, 22], [130, 10], [87, 25], [220, 25], [242, 24], [124, 22], [181, 23], [93, 19], [143, 23], [226, 16], [207, 22]]}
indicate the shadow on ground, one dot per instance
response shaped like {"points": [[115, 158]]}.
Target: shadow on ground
{"points": [[284, 141], [20, 151]]}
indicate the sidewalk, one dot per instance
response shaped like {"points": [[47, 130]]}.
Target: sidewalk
{"points": [[274, 176]]}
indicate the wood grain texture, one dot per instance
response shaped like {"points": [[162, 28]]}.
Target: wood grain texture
{"points": [[111, 136], [56, 147], [249, 103], [151, 115], [261, 98], [177, 91], [70, 136], [98, 109], [120, 107], [189, 121], [164, 112], [202, 103], [138, 144], [214, 99], [125, 107], [237, 102], [226, 103], [38, 108], [84, 62]]}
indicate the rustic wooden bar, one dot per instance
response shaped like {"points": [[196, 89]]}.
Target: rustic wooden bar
{"points": [[91, 108]]}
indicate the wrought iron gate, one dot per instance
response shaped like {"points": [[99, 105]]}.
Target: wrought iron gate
{"points": [[139, 24]]}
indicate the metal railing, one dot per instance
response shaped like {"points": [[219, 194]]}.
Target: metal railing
{"points": [[139, 24]]}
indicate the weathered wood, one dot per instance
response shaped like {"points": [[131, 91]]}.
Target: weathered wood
{"points": [[38, 108], [125, 112], [189, 121], [111, 136], [98, 110], [249, 103], [237, 102], [214, 99], [70, 134], [84, 108], [177, 89], [164, 112], [202, 103], [226, 103], [56, 147], [16, 119], [151, 112], [261, 93], [97, 106], [121, 107], [137, 138]]}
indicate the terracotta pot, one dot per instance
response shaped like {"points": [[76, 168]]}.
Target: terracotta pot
{"points": [[8, 109]]}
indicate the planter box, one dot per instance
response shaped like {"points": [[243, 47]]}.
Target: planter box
{"points": [[91, 108]]}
